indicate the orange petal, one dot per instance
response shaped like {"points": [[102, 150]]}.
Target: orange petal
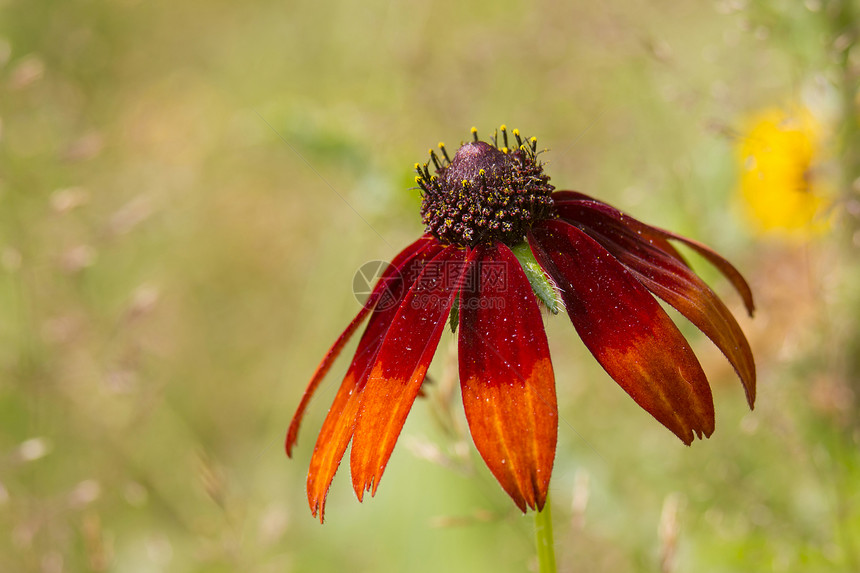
{"points": [[400, 367], [506, 376], [724, 266], [672, 281], [626, 330], [659, 238], [331, 444], [339, 424], [382, 288]]}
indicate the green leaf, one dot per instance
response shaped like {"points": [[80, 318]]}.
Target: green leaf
{"points": [[545, 290], [454, 317]]}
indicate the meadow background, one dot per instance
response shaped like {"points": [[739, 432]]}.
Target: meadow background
{"points": [[187, 189]]}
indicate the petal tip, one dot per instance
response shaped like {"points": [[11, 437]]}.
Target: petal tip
{"points": [[360, 485], [317, 505], [520, 501], [359, 490], [290, 442]]}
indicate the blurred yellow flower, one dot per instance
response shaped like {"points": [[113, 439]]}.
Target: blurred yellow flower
{"points": [[780, 182]]}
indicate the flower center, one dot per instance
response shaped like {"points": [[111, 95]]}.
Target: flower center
{"points": [[487, 193]]}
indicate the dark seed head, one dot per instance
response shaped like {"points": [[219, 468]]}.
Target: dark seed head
{"points": [[486, 193]]}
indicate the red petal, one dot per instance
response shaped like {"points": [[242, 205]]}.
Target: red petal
{"points": [[400, 367], [566, 199], [671, 281], [382, 288], [724, 266], [625, 328], [506, 375], [564, 196], [659, 237], [339, 424]]}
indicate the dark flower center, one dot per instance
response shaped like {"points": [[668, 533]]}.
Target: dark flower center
{"points": [[486, 194]]}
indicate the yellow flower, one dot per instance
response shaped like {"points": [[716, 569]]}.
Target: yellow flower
{"points": [[780, 183]]}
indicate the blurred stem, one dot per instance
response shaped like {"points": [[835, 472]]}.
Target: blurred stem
{"points": [[844, 37], [543, 537]]}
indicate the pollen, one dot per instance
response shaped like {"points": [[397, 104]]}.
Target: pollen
{"points": [[488, 192]]}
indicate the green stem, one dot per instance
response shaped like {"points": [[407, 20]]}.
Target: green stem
{"points": [[543, 538]]}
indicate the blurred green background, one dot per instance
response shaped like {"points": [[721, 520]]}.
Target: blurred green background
{"points": [[187, 188]]}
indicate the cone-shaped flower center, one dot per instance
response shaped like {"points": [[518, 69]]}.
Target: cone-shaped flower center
{"points": [[486, 194]]}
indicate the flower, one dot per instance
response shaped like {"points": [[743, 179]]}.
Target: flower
{"points": [[501, 243], [781, 183]]}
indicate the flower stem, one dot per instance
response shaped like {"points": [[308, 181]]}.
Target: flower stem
{"points": [[543, 538]]}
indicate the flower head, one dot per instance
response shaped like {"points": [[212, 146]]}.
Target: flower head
{"points": [[501, 243], [486, 194], [781, 181]]}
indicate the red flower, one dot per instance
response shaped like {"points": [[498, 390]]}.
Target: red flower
{"points": [[500, 244]]}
